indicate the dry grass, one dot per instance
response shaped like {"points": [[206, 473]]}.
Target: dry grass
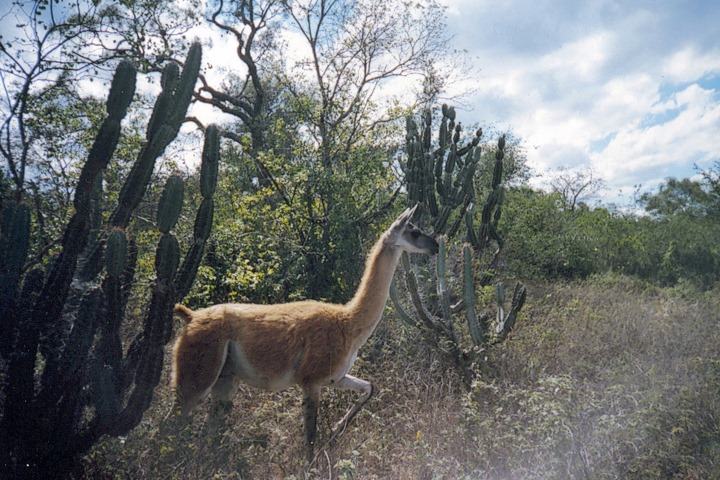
{"points": [[607, 379], [604, 379]]}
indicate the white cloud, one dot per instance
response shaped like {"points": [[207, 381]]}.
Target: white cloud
{"points": [[692, 135], [688, 64], [580, 60]]}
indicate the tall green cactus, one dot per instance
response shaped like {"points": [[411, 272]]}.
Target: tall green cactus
{"points": [[163, 127], [441, 177], [204, 216], [14, 243], [87, 385]]}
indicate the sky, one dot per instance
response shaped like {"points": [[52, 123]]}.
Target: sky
{"points": [[629, 89]]}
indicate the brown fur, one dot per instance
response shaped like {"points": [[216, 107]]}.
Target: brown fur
{"points": [[313, 334], [310, 344], [183, 312]]}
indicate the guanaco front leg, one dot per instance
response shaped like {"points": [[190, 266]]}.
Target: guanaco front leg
{"points": [[311, 399], [348, 382]]}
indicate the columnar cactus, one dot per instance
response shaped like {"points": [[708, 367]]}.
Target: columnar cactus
{"points": [[441, 176], [204, 216], [14, 242], [87, 385], [163, 127]]}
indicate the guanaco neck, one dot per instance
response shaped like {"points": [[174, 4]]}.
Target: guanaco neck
{"points": [[366, 307]]}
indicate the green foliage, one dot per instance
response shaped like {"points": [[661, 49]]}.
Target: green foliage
{"points": [[303, 233], [543, 239], [675, 197], [683, 248], [318, 143], [546, 241]]}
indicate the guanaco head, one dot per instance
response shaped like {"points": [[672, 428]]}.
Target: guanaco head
{"points": [[403, 234]]}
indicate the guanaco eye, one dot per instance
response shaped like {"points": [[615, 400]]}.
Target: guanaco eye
{"points": [[415, 233]]}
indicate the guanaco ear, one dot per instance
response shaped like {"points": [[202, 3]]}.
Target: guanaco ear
{"points": [[402, 220], [398, 226]]}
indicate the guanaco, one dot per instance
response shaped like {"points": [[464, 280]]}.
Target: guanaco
{"points": [[307, 343]]}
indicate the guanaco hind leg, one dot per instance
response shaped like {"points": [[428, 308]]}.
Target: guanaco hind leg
{"points": [[311, 399], [227, 382]]}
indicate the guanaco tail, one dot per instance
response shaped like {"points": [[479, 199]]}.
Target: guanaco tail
{"points": [[307, 343]]}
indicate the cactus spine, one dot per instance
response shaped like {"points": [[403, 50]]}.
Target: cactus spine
{"points": [[88, 386]]}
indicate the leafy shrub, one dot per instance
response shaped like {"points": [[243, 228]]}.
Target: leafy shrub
{"points": [[546, 241]]}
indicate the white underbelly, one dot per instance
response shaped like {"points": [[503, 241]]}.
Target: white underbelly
{"points": [[346, 367]]}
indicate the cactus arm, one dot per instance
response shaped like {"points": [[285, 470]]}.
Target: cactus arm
{"points": [[442, 288], [186, 84], [204, 216], [109, 349], [477, 332], [412, 286], [47, 310], [399, 309], [165, 121], [171, 113], [74, 361], [162, 107], [210, 161], [493, 204], [20, 376], [170, 205], [459, 217], [62, 380], [144, 360], [14, 244]]}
